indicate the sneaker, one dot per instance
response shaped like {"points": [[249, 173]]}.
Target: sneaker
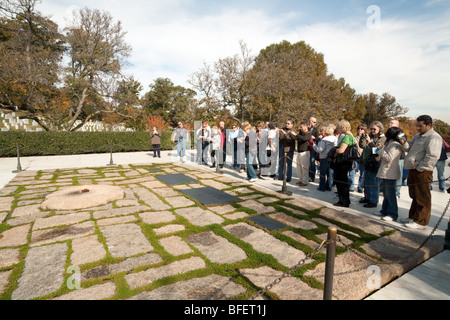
{"points": [[413, 225], [406, 220], [387, 218], [253, 180]]}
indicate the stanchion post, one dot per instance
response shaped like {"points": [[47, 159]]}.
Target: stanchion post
{"points": [[218, 157], [284, 188], [19, 166], [329, 264], [111, 163]]}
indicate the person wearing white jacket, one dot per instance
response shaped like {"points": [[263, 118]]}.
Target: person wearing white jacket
{"points": [[389, 172], [216, 141]]}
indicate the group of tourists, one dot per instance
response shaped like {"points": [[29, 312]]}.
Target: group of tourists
{"points": [[381, 157]]}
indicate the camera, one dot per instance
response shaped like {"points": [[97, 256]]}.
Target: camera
{"points": [[401, 137], [363, 136]]}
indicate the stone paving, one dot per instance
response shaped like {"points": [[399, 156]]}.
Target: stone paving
{"points": [[151, 242]]}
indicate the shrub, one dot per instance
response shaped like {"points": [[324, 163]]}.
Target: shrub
{"points": [[69, 143]]}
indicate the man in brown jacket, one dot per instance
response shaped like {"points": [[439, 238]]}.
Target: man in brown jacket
{"points": [[423, 153]]}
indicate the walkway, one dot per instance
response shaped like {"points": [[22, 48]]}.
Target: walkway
{"points": [[173, 235]]}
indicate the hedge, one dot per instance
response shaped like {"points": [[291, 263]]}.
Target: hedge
{"points": [[70, 143]]}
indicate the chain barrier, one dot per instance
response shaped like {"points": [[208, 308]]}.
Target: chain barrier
{"points": [[398, 261], [289, 272], [348, 248], [323, 244]]}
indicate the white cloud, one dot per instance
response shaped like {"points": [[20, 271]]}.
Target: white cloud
{"points": [[406, 58]]}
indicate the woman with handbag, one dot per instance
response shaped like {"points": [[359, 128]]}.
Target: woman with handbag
{"points": [[371, 162], [342, 165]]}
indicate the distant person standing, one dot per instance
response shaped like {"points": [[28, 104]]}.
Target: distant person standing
{"points": [[389, 172], [303, 154], [180, 138], [155, 136], [328, 142], [394, 123], [313, 155], [371, 161], [251, 152], [273, 139], [423, 153], [440, 165], [342, 167], [286, 146], [224, 146], [204, 137]]}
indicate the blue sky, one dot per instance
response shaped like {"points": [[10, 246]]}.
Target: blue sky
{"points": [[407, 55]]}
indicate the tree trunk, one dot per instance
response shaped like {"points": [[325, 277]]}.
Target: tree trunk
{"points": [[80, 106]]}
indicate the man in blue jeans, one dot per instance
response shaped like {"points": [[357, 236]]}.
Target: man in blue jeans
{"points": [[180, 138], [440, 166], [287, 146]]}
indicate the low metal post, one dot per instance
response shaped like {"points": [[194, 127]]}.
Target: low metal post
{"points": [[111, 163], [19, 166], [329, 264], [218, 157], [284, 188]]}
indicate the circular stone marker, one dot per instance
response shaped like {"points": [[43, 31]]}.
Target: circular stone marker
{"points": [[73, 198]]}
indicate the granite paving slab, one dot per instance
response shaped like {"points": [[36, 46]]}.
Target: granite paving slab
{"points": [[98, 292], [4, 280], [258, 207], [15, 237], [293, 222], [43, 273], [175, 246], [157, 217], [266, 243], [86, 250], [216, 248], [124, 266], [213, 287], [63, 220], [46, 236], [125, 240], [143, 278], [9, 257], [199, 217]]}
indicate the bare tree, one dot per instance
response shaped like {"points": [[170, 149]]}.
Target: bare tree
{"points": [[97, 50], [225, 85]]}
